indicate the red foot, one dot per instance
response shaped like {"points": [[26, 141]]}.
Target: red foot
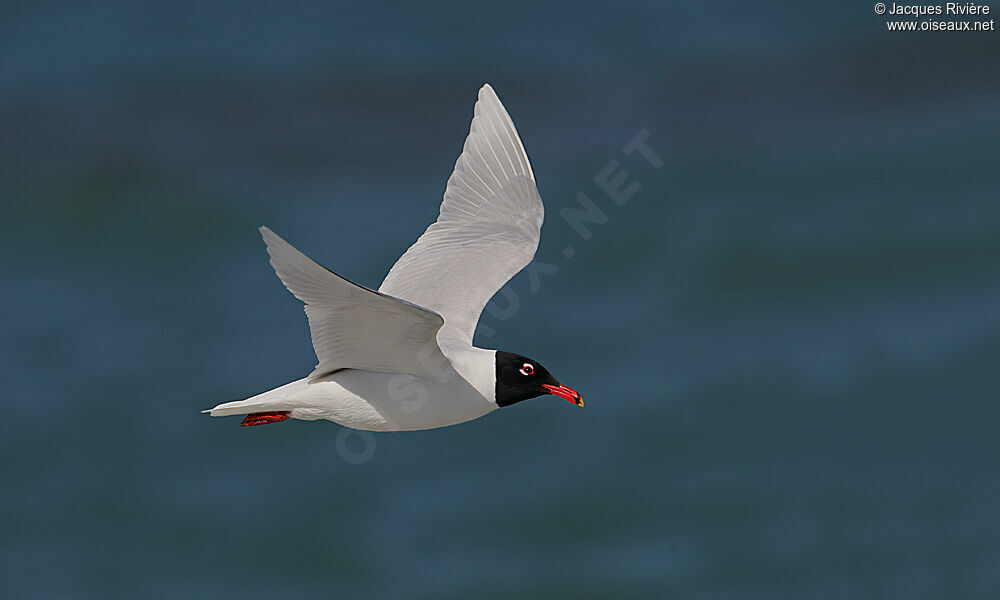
{"points": [[264, 418]]}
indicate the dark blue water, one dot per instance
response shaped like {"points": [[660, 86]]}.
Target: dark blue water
{"points": [[787, 338]]}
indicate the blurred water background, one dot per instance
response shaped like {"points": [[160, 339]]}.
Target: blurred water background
{"points": [[787, 339]]}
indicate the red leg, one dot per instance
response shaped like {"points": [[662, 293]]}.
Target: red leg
{"points": [[264, 418]]}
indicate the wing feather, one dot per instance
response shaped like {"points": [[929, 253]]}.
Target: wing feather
{"points": [[352, 326], [486, 232]]}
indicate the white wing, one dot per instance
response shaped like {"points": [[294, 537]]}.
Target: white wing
{"points": [[487, 231], [352, 326]]}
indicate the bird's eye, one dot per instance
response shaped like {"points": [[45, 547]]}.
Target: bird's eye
{"points": [[527, 369]]}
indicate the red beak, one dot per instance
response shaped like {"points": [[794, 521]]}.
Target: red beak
{"points": [[564, 392]]}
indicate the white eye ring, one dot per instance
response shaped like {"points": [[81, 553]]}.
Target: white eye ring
{"points": [[527, 369]]}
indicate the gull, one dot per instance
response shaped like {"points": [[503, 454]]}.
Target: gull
{"points": [[401, 358]]}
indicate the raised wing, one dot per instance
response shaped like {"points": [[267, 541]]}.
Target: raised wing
{"points": [[487, 231], [352, 326]]}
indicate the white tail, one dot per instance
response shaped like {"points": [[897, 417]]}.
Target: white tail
{"points": [[273, 400]]}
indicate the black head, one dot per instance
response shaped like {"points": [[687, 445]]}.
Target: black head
{"points": [[520, 378]]}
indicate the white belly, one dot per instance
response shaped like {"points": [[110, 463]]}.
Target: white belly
{"points": [[383, 401]]}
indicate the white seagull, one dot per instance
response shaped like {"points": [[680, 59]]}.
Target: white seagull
{"points": [[402, 358]]}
